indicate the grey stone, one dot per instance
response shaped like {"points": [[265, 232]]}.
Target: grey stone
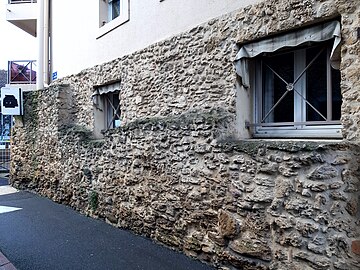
{"points": [[251, 247], [323, 172], [228, 225], [318, 249], [316, 261], [260, 194]]}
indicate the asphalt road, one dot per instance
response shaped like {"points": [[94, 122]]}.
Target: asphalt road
{"points": [[46, 235], [3, 182]]}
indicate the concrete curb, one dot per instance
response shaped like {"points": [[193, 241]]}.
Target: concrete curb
{"points": [[5, 264]]}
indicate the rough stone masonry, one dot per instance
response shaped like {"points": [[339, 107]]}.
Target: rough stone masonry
{"points": [[175, 170]]}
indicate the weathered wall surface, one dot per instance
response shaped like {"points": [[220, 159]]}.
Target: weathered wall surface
{"points": [[175, 171]]}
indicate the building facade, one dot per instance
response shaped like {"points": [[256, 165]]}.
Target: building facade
{"points": [[233, 138], [71, 40]]}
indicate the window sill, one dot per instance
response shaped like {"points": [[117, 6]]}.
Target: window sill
{"points": [[304, 132], [319, 141], [297, 131], [110, 26]]}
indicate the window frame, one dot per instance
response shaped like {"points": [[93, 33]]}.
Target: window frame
{"points": [[299, 128], [105, 24]]}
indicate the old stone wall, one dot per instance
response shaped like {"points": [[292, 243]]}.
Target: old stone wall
{"points": [[176, 172]]}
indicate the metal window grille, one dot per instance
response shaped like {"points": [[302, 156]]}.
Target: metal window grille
{"points": [[21, 1], [112, 105], [297, 94]]}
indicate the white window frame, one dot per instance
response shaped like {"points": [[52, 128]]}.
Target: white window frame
{"points": [[299, 128], [106, 24]]}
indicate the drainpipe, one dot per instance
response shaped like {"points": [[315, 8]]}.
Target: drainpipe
{"points": [[46, 42], [40, 38]]}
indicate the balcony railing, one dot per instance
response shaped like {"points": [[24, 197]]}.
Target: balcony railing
{"points": [[21, 1], [22, 72]]}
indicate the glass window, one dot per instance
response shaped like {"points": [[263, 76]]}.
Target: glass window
{"points": [[112, 108], [114, 9], [112, 13], [297, 93], [106, 102]]}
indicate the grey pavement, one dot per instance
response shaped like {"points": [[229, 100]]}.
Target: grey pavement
{"points": [[3, 181], [45, 235]]}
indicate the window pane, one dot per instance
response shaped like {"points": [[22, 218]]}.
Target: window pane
{"points": [[316, 84], [112, 102], [336, 94], [115, 8], [116, 102], [274, 88]]}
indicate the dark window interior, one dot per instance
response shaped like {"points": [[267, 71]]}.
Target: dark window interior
{"points": [[278, 70]]}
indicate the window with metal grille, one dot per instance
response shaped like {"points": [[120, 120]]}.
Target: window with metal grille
{"points": [[297, 93], [112, 109], [295, 82], [106, 102]]}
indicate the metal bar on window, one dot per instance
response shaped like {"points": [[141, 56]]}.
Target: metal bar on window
{"points": [[273, 107], [113, 107], [113, 118], [280, 99], [290, 87], [307, 102], [306, 68], [115, 114], [277, 74]]}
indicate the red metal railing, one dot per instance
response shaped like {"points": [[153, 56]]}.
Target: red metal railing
{"points": [[22, 72], [21, 1]]}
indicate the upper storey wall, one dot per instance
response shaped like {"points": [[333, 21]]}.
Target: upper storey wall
{"points": [[76, 35]]}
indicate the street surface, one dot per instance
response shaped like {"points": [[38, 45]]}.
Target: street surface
{"points": [[36, 234]]}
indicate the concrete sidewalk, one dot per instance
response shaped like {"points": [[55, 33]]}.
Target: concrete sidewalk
{"points": [[5, 264], [36, 233]]}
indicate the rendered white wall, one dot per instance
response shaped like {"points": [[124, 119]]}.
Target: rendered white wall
{"points": [[16, 43], [75, 31]]}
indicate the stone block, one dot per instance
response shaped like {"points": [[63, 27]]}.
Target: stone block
{"points": [[315, 261], [323, 172], [318, 249], [260, 194], [251, 247], [355, 247], [228, 225], [352, 206]]}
